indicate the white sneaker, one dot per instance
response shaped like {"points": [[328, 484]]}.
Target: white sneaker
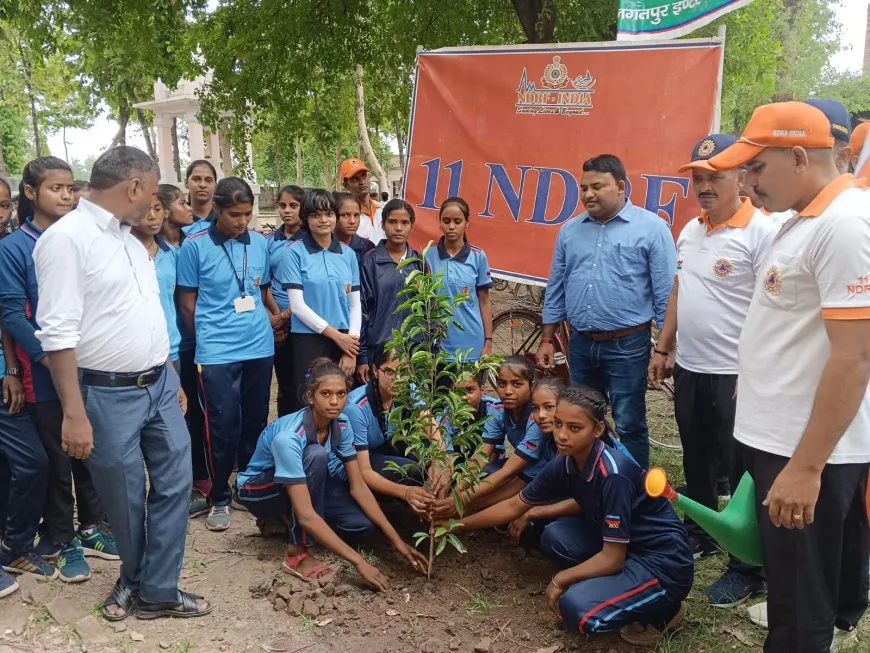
{"points": [[844, 640], [218, 518], [758, 614]]}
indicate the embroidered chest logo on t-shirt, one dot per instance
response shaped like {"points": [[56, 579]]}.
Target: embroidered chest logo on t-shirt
{"points": [[257, 281], [772, 281], [723, 268], [465, 291], [347, 289], [612, 521]]}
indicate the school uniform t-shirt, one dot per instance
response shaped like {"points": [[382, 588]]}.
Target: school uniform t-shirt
{"points": [[211, 264], [464, 274], [366, 428], [326, 277], [282, 443], [18, 282], [278, 243], [502, 425], [166, 265], [610, 490]]}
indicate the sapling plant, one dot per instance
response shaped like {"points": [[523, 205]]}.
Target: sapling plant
{"points": [[436, 425]]}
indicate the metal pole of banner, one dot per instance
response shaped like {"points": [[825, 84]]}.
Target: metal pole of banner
{"points": [[717, 107]]}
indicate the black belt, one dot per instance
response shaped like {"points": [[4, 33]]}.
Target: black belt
{"points": [[120, 379]]}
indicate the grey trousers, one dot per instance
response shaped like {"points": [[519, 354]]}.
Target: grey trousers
{"points": [[131, 425]]}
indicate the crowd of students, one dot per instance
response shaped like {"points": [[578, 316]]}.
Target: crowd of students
{"points": [[316, 301]]}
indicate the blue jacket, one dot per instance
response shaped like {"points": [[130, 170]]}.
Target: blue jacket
{"points": [[381, 282]]}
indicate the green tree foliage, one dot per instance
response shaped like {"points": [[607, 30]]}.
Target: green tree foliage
{"points": [[850, 88]]}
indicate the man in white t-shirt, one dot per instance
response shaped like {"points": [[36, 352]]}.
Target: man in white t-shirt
{"points": [[803, 409], [719, 255]]}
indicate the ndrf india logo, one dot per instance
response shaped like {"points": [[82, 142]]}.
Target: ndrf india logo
{"points": [[772, 281], [723, 268], [559, 95]]}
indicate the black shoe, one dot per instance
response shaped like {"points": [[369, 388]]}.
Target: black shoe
{"points": [[703, 548]]}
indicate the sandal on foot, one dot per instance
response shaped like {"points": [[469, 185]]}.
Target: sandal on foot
{"points": [[291, 564], [646, 635], [124, 598], [188, 601]]}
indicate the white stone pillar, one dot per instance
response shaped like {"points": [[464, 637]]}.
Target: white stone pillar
{"points": [[214, 152], [195, 137], [163, 125]]}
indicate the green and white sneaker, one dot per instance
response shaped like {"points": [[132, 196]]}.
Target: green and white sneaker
{"points": [[97, 543], [71, 563]]}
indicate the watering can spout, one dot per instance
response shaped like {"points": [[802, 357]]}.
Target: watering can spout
{"points": [[735, 529]]}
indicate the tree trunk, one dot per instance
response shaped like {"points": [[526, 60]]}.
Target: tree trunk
{"points": [[65, 148], [785, 77], [176, 158], [363, 131], [327, 174], [336, 170], [143, 124], [123, 119], [298, 163], [28, 89], [2, 160], [278, 171], [538, 19], [400, 139]]}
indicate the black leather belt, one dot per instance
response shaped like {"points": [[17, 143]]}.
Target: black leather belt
{"points": [[120, 379]]}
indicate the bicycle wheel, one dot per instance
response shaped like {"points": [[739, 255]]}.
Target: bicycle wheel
{"points": [[516, 331], [663, 431]]}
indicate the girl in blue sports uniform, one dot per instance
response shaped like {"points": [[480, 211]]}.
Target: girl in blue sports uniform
{"points": [[223, 283], [347, 223], [201, 181], [305, 473], [289, 203], [626, 564], [466, 272], [178, 214], [165, 260], [321, 277], [368, 409], [512, 422]]}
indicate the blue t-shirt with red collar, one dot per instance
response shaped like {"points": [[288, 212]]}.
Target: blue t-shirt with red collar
{"points": [[610, 490], [18, 283]]}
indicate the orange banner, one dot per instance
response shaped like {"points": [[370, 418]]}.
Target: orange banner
{"points": [[508, 129]]}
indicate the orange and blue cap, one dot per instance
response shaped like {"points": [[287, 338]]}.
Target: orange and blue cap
{"points": [[706, 149]]}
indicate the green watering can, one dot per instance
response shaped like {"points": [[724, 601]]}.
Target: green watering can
{"points": [[735, 528]]}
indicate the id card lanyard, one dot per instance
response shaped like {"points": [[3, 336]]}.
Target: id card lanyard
{"points": [[239, 280]]}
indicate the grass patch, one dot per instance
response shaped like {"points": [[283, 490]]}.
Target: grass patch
{"points": [[479, 603], [308, 623], [184, 646]]}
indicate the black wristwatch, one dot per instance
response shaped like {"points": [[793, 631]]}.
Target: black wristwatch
{"points": [[13, 371]]}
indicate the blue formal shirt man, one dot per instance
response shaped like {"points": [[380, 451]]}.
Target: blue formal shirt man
{"points": [[612, 273]]}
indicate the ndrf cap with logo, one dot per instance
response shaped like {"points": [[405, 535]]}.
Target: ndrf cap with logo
{"points": [[783, 124], [706, 149], [352, 166], [838, 116]]}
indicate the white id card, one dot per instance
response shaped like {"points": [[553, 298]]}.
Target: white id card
{"points": [[243, 304]]}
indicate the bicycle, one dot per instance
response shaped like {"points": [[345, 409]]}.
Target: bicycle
{"points": [[518, 330]]}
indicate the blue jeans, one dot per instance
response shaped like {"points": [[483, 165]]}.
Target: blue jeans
{"points": [[618, 369], [134, 425], [23, 480]]}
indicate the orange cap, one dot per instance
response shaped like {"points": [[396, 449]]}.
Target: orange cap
{"points": [[350, 167], [859, 135], [783, 124]]}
